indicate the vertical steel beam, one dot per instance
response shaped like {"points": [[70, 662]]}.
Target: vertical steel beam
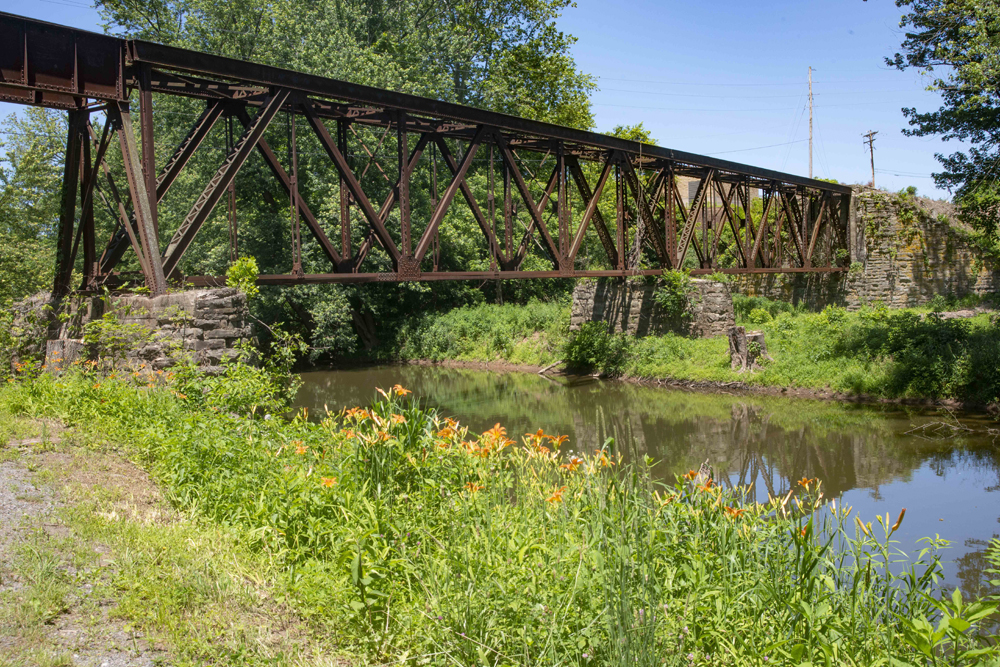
{"points": [[148, 146], [67, 208], [294, 196], [670, 216], [148, 237], [345, 198], [407, 265], [620, 215], [562, 207], [89, 177], [508, 215]]}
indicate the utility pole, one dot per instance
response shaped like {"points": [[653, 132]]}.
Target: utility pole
{"points": [[870, 140], [810, 121]]}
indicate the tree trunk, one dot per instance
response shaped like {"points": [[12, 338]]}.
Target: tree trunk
{"points": [[746, 348]]}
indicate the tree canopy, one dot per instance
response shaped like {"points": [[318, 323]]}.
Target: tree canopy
{"points": [[957, 43], [502, 55]]}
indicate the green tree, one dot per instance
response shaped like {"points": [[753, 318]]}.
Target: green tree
{"points": [[957, 43], [32, 147]]}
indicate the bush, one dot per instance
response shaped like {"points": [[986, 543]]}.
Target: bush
{"points": [[242, 275], [592, 347], [676, 295], [759, 316], [108, 339], [743, 306]]}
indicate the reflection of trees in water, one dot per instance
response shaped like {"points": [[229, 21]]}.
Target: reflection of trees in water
{"points": [[972, 567]]}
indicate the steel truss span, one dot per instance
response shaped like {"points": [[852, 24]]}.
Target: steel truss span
{"points": [[533, 189]]}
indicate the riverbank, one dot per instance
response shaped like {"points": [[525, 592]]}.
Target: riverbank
{"points": [[910, 356], [398, 537]]}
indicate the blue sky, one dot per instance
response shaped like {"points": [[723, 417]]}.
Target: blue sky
{"points": [[722, 77], [729, 79]]}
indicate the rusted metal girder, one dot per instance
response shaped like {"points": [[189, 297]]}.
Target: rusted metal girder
{"points": [[740, 219]]}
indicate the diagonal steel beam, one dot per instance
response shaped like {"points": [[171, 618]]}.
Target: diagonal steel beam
{"points": [[758, 241], [647, 227], [390, 201], [820, 218], [141, 204], [692, 217], [271, 160], [477, 212], [791, 212], [726, 202], [593, 199], [187, 148], [731, 217], [220, 181], [449, 194], [529, 202], [591, 210], [522, 248], [357, 194]]}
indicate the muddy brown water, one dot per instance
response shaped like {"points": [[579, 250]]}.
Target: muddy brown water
{"points": [[869, 457]]}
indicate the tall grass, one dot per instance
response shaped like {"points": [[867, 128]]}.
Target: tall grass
{"points": [[411, 541], [525, 334]]}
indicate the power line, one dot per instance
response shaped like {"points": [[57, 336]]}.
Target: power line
{"points": [[756, 148]]}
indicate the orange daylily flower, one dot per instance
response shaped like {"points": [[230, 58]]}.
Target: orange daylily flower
{"points": [[400, 391], [349, 433], [472, 487], [691, 474], [446, 432], [328, 481], [557, 440], [735, 513], [557, 495], [495, 432], [572, 464], [806, 481], [398, 419], [299, 447], [538, 435], [357, 413], [452, 423]]}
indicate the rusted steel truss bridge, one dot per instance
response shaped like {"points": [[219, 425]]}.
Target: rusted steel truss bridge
{"points": [[544, 182]]}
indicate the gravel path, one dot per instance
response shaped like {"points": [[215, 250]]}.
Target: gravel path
{"points": [[75, 636]]}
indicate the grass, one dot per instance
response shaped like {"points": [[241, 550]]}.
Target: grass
{"points": [[114, 570], [531, 334], [907, 353], [403, 539]]}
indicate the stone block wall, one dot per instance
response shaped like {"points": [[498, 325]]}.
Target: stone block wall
{"points": [[205, 324], [907, 251], [628, 306]]}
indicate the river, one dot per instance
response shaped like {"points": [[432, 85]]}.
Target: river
{"points": [[869, 457]]}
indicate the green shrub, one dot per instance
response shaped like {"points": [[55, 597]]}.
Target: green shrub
{"points": [[676, 295], [592, 347], [107, 340], [759, 316], [242, 275], [744, 305]]}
